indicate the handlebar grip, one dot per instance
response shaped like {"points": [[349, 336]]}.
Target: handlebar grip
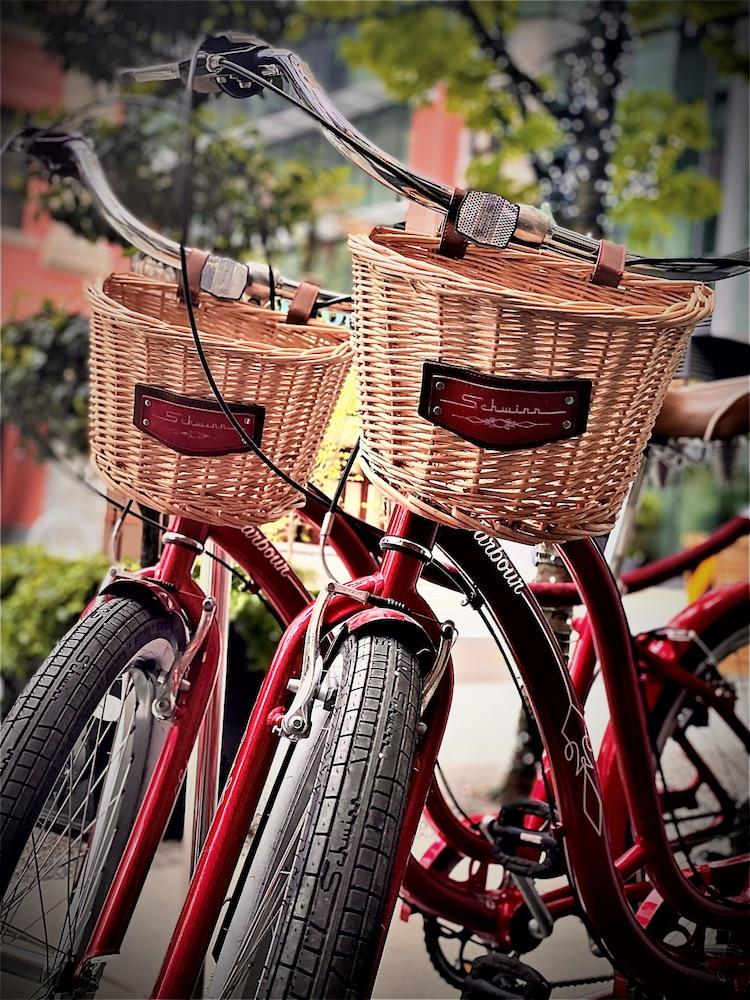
{"points": [[203, 83]]}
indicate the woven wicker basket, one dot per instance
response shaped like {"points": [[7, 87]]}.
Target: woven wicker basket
{"points": [[139, 336], [518, 314]]}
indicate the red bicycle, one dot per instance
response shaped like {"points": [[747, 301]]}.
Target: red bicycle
{"points": [[98, 746]]}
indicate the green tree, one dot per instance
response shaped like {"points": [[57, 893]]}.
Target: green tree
{"points": [[595, 151], [99, 37], [243, 196], [45, 381]]}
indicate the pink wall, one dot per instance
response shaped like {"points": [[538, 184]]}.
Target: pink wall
{"points": [[31, 81], [434, 150]]}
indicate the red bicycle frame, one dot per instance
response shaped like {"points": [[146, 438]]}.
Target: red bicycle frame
{"points": [[596, 875]]}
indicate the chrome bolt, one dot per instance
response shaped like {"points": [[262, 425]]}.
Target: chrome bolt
{"points": [[297, 724], [440, 385], [246, 420], [569, 400], [437, 411], [147, 402], [567, 425], [146, 421]]}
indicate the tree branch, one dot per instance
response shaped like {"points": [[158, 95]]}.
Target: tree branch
{"points": [[494, 44]]}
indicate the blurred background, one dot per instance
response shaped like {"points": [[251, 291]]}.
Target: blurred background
{"points": [[624, 118]]}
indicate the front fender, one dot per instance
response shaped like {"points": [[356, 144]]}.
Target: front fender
{"points": [[398, 624], [150, 593]]}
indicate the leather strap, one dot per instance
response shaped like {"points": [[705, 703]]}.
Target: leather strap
{"points": [[303, 303], [452, 244], [196, 260], [610, 264]]}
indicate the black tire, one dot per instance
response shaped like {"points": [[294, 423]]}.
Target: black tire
{"points": [[350, 798], [56, 711]]}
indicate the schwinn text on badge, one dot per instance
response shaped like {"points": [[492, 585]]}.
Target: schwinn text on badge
{"points": [[503, 414], [194, 426]]}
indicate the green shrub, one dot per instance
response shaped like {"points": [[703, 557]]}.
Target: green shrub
{"points": [[43, 595], [45, 380], [255, 630]]}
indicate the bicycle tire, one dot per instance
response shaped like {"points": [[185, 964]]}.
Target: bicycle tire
{"points": [[351, 808], [52, 717], [724, 636]]}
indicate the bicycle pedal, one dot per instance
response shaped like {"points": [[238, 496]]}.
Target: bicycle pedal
{"points": [[523, 851], [501, 977]]}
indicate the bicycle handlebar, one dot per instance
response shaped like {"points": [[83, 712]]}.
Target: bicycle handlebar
{"points": [[241, 66], [69, 154]]}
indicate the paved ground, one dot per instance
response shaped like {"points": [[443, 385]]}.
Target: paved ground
{"points": [[476, 750]]}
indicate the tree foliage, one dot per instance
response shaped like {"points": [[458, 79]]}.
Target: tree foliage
{"points": [[574, 136], [99, 37], [45, 381], [43, 595], [242, 195]]}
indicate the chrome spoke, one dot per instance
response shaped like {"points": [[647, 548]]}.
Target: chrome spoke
{"points": [[57, 875], [254, 936]]}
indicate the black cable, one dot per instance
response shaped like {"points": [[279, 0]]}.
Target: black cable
{"points": [[9, 141], [346, 137], [336, 300], [681, 267], [184, 196], [470, 596], [127, 511], [454, 801], [531, 724], [333, 505]]}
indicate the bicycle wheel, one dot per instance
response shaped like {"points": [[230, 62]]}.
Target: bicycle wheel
{"points": [[312, 903], [703, 762], [702, 773], [77, 750]]}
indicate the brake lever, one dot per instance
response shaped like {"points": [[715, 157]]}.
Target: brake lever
{"points": [[51, 147], [246, 51]]}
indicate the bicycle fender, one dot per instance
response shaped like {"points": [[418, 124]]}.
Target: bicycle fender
{"points": [[388, 622], [147, 592]]}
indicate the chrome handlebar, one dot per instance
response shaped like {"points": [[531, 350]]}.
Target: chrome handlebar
{"points": [[70, 154], [242, 66]]}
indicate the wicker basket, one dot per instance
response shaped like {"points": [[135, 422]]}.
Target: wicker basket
{"points": [[517, 314], [140, 338]]}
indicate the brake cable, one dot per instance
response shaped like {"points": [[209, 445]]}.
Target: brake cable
{"points": [[184, 187]]}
